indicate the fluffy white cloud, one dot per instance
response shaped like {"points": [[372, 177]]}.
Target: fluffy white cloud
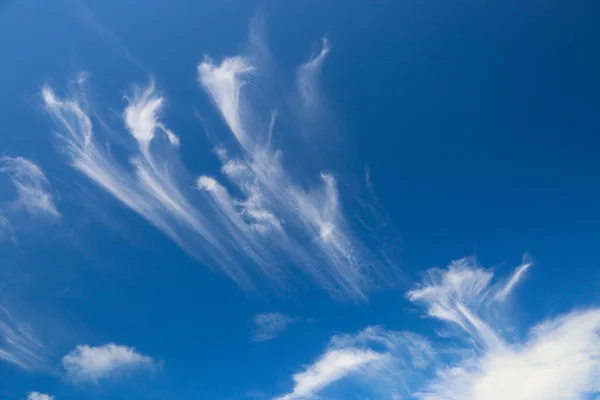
{"points": [[88, 363], [268, 326], [31, 185], [39, 396]]}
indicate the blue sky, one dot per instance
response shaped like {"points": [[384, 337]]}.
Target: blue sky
{"points": [[290, 200]]}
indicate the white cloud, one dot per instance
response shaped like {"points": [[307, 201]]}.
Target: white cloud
{"points": [[514, 279], [559, 360], [18, 344], [39, 396], [149, 186], [382, 361], [88, 363], [268, 326], [487, 357], [308, 75], [224, 83], [305, 226], [331, 367], [263, 221], [31, 185], [452, 295]]}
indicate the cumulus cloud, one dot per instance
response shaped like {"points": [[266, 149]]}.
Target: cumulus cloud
{"points": [[31, 185], [482, 356], [89, 363], [268, 326], [18, 344], [259, 220], [39, 396]]}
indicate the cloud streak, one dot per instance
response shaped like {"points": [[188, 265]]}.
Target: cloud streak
{"points": [[31, 185], [332, 366], [261, 220], [380, 360], [298, 224], [18, 344]]}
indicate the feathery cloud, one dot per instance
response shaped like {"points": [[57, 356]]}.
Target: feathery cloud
{"points": [[31, 185], [18, 345], [268, 326], [308, 75], [304, 226], [384, 362], [484, 358], [262, 218], [89, 363], [332, 366]]}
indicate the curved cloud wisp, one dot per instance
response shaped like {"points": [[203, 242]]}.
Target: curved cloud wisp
{"points": [[31, 185]]}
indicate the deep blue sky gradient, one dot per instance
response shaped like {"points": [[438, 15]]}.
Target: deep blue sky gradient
{"points": [[479, 121]]}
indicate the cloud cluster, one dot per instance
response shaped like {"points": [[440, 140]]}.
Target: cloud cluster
{"points": [[257, 223], [475, 358], [89, 363]]}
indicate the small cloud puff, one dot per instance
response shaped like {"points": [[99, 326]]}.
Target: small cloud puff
{"points": [[268, 326], [39, 396], [87, 363]]}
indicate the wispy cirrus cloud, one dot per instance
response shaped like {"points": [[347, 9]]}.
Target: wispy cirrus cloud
{"points": [[332, 366], [268, 326], [92, 363], [261, 220], [18, 344], [302, 225], [31, 185], [484, 357], [383, 361]]}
